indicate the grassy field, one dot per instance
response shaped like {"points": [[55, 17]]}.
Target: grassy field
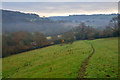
{"points": [[64, 61], [104, 63], [0, 57], [0, 68]]}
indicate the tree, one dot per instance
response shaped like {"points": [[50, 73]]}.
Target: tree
{"points": [[68, 37], [16, 42], [39, 39], [114, 24], [108, 32]]}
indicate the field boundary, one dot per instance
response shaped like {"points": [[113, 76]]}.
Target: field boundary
{"points": [[82, 70]]}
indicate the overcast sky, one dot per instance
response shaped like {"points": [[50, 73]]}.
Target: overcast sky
{"points": [[62, 8], [59, 0]]}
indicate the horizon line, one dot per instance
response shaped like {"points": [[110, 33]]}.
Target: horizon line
{"points": [[60, 15]]}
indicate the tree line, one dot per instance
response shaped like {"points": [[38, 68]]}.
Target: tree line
{"points": [[86, 32], [16, 42], [13, 43]]}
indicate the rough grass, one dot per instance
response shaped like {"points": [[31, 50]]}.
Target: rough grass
{"points": [[0, 68], [64, 61], [104, 62], [58, 61]]}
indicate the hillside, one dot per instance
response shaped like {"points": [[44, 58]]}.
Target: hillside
{"points": [[17, 21], [95, 20], [66, 61]]}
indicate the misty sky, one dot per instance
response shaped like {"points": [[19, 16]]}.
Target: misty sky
{"points": [[62, 8], [59, 0]]}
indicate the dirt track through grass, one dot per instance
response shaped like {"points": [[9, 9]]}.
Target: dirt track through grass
{"points": [[66, 61], [82, 70]]}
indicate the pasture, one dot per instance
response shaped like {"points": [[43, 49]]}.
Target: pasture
{"points": [[65, 60]]}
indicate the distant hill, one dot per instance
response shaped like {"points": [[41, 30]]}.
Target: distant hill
{"points": [[14, 16], [17, 21], [96, 20]]}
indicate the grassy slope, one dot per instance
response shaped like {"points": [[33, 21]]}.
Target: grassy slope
{"points": [[59, 62], [54, 61], [0, 56], [104, 63], [0, 68]]}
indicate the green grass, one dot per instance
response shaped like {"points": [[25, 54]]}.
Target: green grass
{"points": [[0, 68], [0, 56], [38, 63], [104, 62], [64, 61]]}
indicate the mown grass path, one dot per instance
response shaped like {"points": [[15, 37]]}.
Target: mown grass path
{"points": [[82, 70]]}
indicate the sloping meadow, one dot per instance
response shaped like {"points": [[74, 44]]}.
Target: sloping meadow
{"points": [[65, 60], [58, 61], [104, 63]]}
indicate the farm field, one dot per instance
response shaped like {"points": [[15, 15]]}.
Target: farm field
{"points": [[104, 63], [65, 61], [0, 68]]}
